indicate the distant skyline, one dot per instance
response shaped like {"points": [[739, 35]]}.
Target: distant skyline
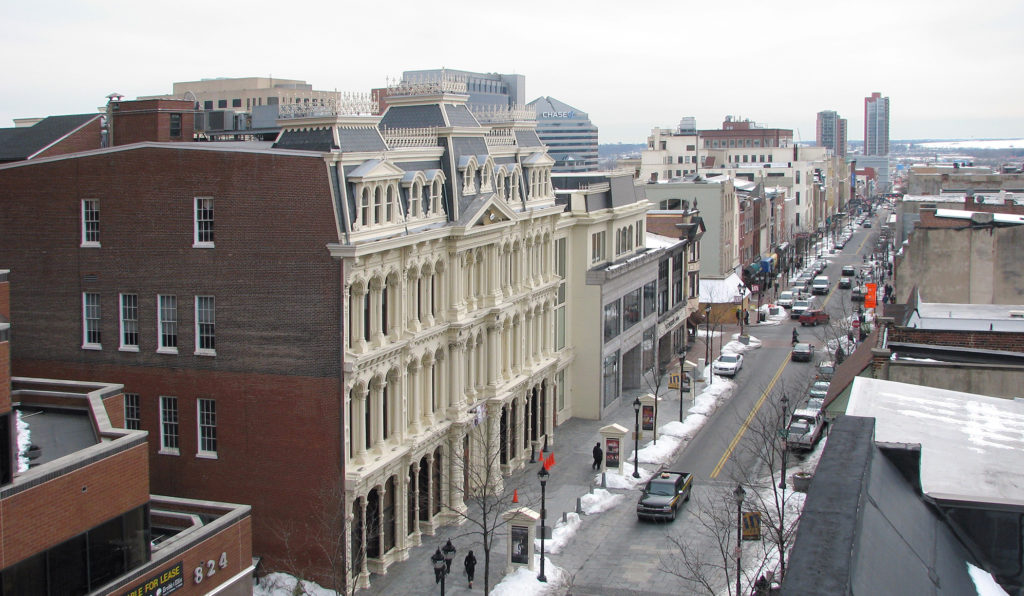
{"points": [[950, 70]]}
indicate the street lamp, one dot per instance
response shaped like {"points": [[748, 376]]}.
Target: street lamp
{"points": [[542, 474], [739, 288], [440, 569], [636, 436], [738, 494], [784, 433], [707, 342], [682, 379]]}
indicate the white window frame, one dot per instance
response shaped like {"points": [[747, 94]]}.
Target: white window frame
{"points": [[125, 347], [91, 321], [200, 419], [200, 351], [161, 348], [196, 241], [90, 206], [165, 421], [131, 405]]}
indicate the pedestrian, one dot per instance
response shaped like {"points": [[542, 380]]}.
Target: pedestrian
{"points": [[449, 553], [746, 317], [470, 567], [598, 454]]}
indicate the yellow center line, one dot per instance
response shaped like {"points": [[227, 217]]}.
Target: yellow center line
{"points": [[746, 423]]}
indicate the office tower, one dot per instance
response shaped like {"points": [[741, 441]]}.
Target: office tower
{"points": [[876, 125]]}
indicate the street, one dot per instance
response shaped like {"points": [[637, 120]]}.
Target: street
{"points": [[616, 554]]}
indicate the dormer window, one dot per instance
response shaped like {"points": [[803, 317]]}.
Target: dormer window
{"points": [[468, 166], [416, 199], [500, 184], [486, 173]]}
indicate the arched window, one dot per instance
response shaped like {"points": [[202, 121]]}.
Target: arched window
{"points": [[364, 208], [416, 200], [500, 187], [378, 205], [389, 205], [435, 196]]}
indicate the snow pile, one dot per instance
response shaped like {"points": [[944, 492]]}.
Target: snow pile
{"points": [[769, 319], [24, 442], [598, 502], [523, 582], [848, 346], [625, 480], [660, 453], [984, 582], [282, 584], [562, 533], [707, 401], [703, 333]]}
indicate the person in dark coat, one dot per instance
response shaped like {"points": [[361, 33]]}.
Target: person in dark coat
{"points": [[449, 552], [598, 454], [470, 567]]}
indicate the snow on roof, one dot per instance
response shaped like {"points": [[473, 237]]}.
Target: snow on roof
{"points": [[1009, 218], [659, 241], [715, 291], [967, 317], [972, 446]]}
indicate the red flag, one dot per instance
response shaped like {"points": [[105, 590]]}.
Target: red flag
{"points": [[550, 461]]}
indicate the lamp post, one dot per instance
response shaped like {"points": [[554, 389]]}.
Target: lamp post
{"points": [[739, 493], [439, 568], [636, 436], [739, 288], [682, 379], [784, 433], [542, 474], [707, 341]]}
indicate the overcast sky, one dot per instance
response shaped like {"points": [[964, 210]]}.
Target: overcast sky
{"points": [[950, 69]]}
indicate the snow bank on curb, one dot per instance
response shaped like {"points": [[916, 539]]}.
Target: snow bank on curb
{"points": [[625, 480], [660, 452], [599, 501], [282, 584], [24, 442], [562, 533], [523, 582]]}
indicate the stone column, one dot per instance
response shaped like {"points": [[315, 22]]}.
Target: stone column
{"points": [[493, 330], [358, 423], [356, 319], [377, 416]]}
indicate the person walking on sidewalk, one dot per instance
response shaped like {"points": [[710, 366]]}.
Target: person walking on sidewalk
{"points": [[598, 454], [470, 567], [449, 553]]}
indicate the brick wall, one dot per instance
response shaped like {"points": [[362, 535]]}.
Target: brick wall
{"points": [[149, 120], [84, 139], [276, 375], [50, 513], [985, 340]]}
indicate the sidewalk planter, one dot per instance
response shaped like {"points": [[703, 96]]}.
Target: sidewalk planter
{"points": [[802, 481], [745, 339]]}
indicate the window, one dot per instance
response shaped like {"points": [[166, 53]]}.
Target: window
{"points": [[167, 326], [91, 321], [208, 105], [168, 425], [631, 305], [202, 235], [610, 375], [207, 410], [131, 411], [650, 290], [130, 322], [560, 270], [798, 197], [175, 126], [597, 247], [205, 321], [611, 320], [91, 222], [798, 176], [223, 103], [236, 103]]}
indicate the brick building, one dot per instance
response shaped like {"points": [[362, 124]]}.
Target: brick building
{"points": [[77, 515]]}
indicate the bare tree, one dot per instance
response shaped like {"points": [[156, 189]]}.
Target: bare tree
{"points": [[484, 491]]}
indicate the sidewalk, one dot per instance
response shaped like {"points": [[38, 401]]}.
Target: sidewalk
{"points": [[571, 477]]}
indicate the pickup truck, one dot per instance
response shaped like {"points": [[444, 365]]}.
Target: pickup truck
{"points": [[804, 430], [663, 494]]}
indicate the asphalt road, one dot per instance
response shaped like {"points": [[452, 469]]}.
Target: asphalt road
{"points": [[620, 555]]}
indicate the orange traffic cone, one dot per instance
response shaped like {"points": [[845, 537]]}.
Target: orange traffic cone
{"points": [[515, 496]]}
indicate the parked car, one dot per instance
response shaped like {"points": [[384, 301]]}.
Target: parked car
{"points": [[816, 403], [867, 223], [849, 271], [727, 364], [799, 307], [857, 294], [814, 317], [845, 283], [826, 369], [804, 430], [785, 299], [819, 389], [820, 285], [802, 352], [663, 494]]}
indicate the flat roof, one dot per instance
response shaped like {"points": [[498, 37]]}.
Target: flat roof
{"points": [[57, 432], [1008, 218], [972, 446], [967, 317]]}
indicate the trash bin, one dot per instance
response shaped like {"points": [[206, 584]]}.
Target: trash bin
{"points": [[761, 317]]}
